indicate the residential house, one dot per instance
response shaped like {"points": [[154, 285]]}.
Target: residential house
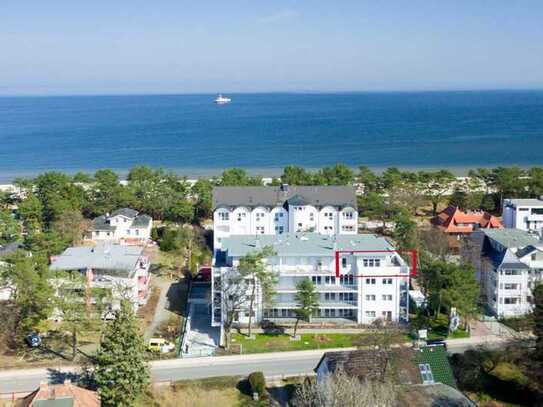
{"points": [[276, 210], [121, 270], [457, 223], [423, 376], [371, 285], [60, 395], [524, 214], [509, 264], [124, 226]]}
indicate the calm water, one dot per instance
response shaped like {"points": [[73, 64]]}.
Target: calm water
{"points": [[263, 132]]}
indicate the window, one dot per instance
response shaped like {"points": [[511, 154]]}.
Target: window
{"points": [[509, 286], [370, 314], [348, 215], [346, 296], [316, 280], [137, 232], [241, 215], [426, 373], [387, 281], [329, 215], [534, 257], [511, 300], [370, 281], [344, 262], [511, 272], [387, 297], [260, 229], [346, 279], [330, 296], [311, 216], [387, 315], [370, 297], [330, 280], [347, 228], [224, 216], [279, 229], [372, 262]]}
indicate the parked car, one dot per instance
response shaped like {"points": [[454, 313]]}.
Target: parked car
{"points": [[160, 345], [437, 342], [33, 340]]}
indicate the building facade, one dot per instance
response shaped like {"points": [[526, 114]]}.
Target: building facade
{"points": [[121, 270], [509, 264], [371, 285], [284, 209], [125, 226], [523, 214]]}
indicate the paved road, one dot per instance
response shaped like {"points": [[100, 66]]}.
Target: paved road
{"points": [[272, 364]]}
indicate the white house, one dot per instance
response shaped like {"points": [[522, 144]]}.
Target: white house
{"points": [[509, 264], [370, 285], [125, 226], [122, 270], [524, 214], [276, 210]]}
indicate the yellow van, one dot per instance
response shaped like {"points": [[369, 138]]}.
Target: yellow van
{"points": [[160, 345]]}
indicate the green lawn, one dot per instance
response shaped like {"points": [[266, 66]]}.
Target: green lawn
{"points": [[440, 329], [282, 342]]}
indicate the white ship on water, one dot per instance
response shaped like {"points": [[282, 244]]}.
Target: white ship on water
{"points": [[221, 100]]}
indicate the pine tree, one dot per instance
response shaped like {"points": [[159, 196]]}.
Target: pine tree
{"points": [[307, 299], [121, 373]]}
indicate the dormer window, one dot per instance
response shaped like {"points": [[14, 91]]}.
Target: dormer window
{"points": [[348, 215], [224, 216]]}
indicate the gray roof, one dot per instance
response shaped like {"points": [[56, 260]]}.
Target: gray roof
{"points": [[129, 213], [318, 196], [512, 238], [9, 248], [526, 202], [361, 363], [101, 223], [100, 257], [141, 221], [303, 244]]}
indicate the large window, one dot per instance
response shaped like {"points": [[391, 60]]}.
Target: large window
{"points": [[426, 373], [224, 216], [372, 262]]}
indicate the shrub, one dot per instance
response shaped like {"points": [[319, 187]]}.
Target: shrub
{"points": [[258, 383]]}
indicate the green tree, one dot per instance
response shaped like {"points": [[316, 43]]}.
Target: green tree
{"points": [[70, 227], [294, 175], [461, 290], [181, 211], [368, 178], [202, 192], [32, 293], [78, 305], [339, 174], [258, 278], [30, 211], [238, 177], [405, 231], [9, 227], [121, 371], [435, 185], [307, 300], [535, 181], [536, 365], [58, 194]]}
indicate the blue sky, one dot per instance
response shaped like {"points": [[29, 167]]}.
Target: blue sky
{"points": [[176, 46]]}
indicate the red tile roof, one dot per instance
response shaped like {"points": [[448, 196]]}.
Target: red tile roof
{"points": [[453, 220], [81, 397]]}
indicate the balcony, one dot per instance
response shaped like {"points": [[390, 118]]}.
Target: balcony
{"points": [[322, 304], [319, 288], [308, 270]]}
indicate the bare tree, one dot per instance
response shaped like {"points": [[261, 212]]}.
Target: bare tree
{"points": [[233, 296], [343, 390]]}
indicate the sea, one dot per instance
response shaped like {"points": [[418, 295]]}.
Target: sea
{"points": [[263, 132]]}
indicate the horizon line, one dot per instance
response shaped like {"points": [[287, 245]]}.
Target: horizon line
{"points": [[299, 92]]}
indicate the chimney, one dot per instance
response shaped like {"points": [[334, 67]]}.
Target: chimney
{"points": [[284, 187]]}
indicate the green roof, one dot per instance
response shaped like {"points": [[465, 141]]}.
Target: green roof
{"points": [[57, 402], [436, 357], [512, 238], [304, 244]]}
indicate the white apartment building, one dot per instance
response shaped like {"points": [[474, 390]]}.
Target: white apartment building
{"points": [[121, 270], [276, 210], [509, 264], [124, 225], [524, 214], [370, 285]]}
